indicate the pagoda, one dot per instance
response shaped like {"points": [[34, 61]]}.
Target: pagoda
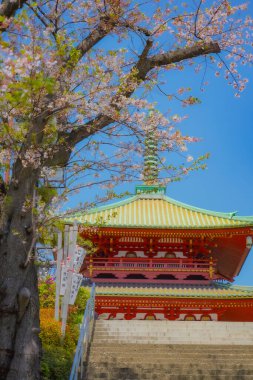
{"points": [[157, 258]]}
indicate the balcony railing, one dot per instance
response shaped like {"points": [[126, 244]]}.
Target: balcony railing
{"points": [[82, 348], [145, 263]]}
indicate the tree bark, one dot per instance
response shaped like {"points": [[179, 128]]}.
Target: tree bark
{"points": [[19, 302], [8, 10]]}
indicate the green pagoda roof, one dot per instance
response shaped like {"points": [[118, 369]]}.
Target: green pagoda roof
{"points": [[155, 210], [216, 290]]}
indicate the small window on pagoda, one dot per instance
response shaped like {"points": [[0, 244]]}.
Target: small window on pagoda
{"points": [[195, 277], [150, 317], [136, 276], [170, 255], [165, 277], [131, 254], [190, 318], [205, 318], [105, 275]]}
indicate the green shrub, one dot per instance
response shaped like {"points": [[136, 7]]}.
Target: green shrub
{"points": [[47, 293], [77, 310], [58, 354], [56, 363]]}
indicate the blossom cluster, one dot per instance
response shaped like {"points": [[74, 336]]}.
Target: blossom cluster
{"points": [[64, 89]]}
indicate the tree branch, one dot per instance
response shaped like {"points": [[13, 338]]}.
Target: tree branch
{"points": [[197, 50], [104, 27], [38, 15], [141, 69], [61, 157], [137, 28]]}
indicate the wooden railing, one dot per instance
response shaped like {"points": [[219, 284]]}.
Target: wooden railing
{"points": [[145, 263]]}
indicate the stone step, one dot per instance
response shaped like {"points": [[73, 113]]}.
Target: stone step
{"points": [[164, 362], [205, 338], [173, 354], [178, 348], [165, 350], [175, 377], [170, 365], [169, 369], [157, 331], [172, 341], [208, 334], [169, 356], [102, 376], [171, 349], [128, 373], [183, 331], [167, 331], [180, 331], [102, 321], [169, 362], [162, 327], [172, 358], [174, 333], [169, 324], [185, 337]]}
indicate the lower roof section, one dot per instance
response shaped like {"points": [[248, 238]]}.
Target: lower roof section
{"points": [[215, 290]]}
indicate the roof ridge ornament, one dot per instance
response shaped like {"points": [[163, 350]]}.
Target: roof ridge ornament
{"points": [[150, 170], [150, 190], [233, 213]]}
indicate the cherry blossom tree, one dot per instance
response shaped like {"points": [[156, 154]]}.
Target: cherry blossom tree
{"points": [[8, 10], [75, 78]]}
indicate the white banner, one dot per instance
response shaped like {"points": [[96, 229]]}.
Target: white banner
{"points": [[78, 258], [64, 277], [77, 263], [76, 282]]}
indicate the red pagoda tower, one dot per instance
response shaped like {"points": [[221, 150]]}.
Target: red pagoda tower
{"points": [[157, 258]]}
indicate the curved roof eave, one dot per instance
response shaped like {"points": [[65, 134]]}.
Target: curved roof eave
{"points": [[245, 220]]}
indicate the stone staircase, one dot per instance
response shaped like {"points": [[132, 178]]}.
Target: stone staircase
{"points": [[163, 350]]}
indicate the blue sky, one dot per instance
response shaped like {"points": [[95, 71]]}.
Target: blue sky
{"points": [[225, 125]]}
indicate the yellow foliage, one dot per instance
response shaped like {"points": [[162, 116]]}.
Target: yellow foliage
{"points": [[51, 331], [50, 328]]}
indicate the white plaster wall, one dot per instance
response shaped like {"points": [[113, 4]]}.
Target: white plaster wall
{"points": [[197, 316], [159, 316], [181, 255], [123, 254], [163, 253], [159, 254], [140, 316]]}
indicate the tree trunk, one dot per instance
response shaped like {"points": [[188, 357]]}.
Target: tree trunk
{"points": [[19, 303]]}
